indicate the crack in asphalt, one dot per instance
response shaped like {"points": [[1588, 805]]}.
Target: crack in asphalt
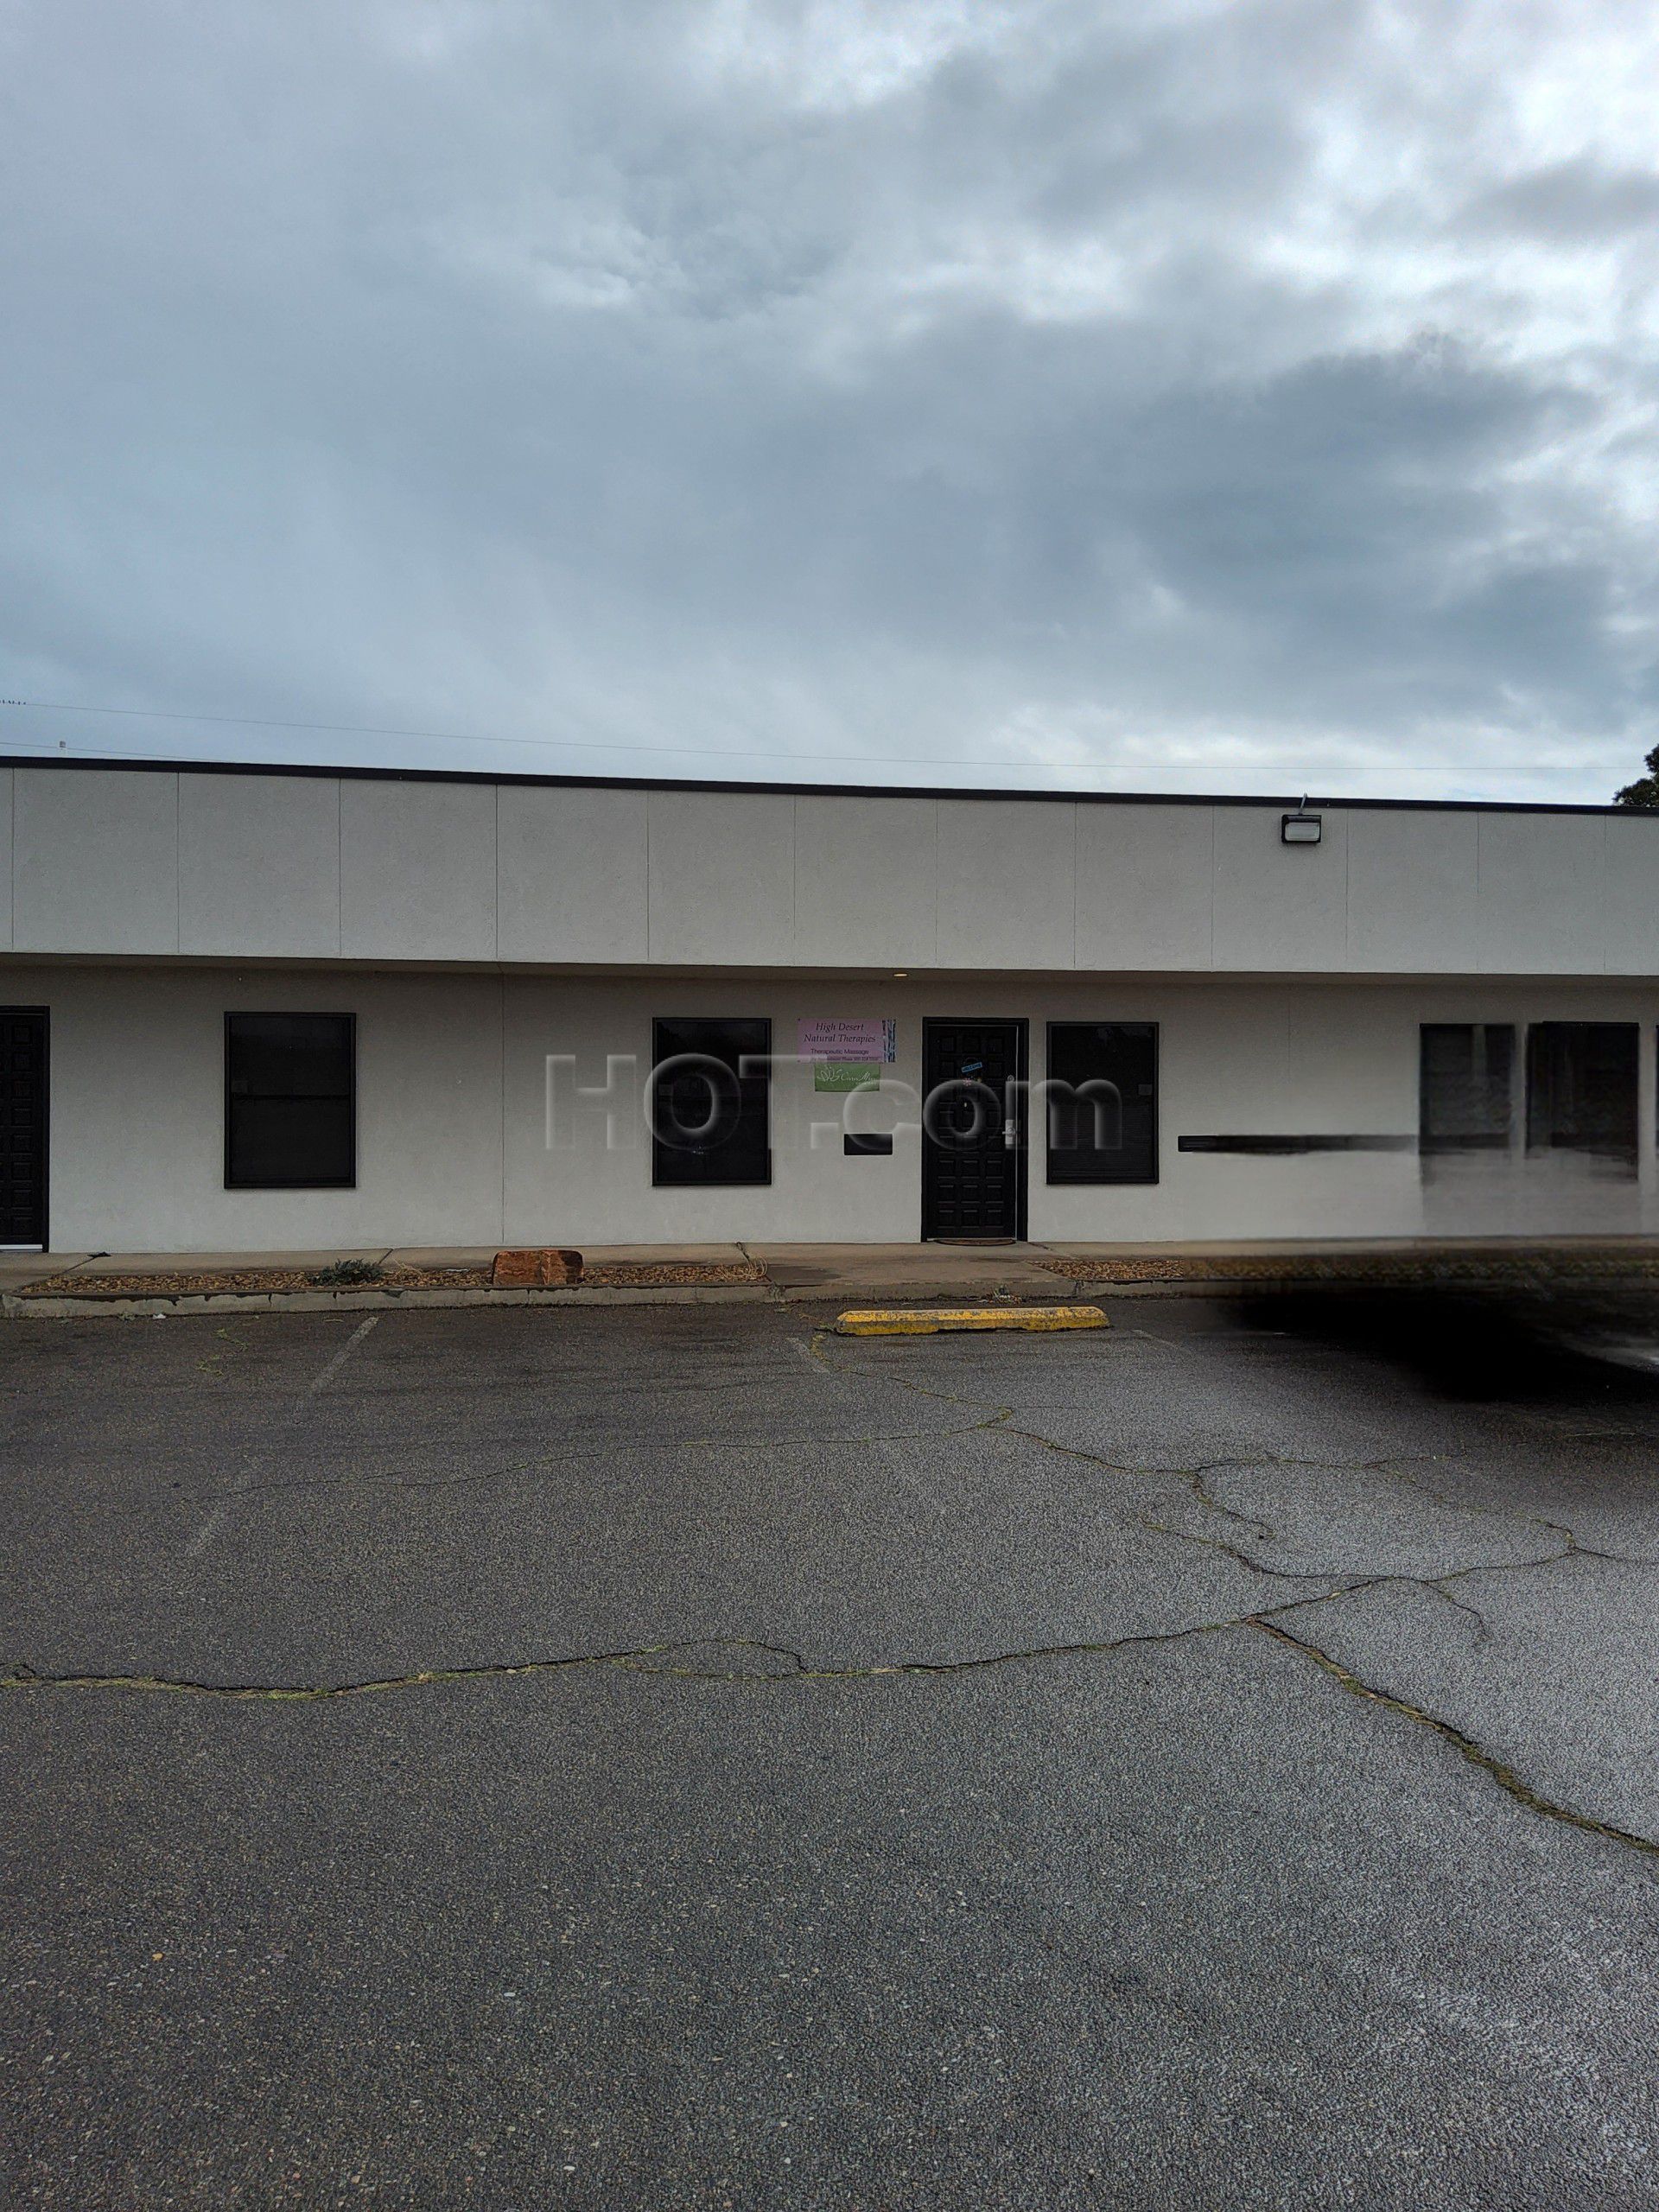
{"points": [[677, 1662], [1488, 1762], [1572, 1542], [796, 1667], [999, 1422], [770, 1665]]}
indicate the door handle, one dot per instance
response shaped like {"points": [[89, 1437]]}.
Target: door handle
{"points": [[1011, 1136]]}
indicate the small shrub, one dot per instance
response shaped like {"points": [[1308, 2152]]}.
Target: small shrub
{"points": [[340, 1273]]}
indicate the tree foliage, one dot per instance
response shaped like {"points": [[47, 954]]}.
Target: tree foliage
{"points": [[1644, 792]]}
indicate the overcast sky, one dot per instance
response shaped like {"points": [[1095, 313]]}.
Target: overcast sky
{"points": [[1173, 396]]}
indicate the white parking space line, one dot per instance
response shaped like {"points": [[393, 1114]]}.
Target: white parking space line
{"points": [[318, 1383]]}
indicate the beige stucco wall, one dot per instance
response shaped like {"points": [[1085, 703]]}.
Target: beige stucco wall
{"points": [[452, 1102]]}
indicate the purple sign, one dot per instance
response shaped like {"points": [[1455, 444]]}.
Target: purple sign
{"points": [[831, 1038]]}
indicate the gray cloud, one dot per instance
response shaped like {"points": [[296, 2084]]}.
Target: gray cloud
{"points": [[1573, 202], [1207, 396]]}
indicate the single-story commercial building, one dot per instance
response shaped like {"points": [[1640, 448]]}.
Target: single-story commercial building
{"points": [[267, 1008]]}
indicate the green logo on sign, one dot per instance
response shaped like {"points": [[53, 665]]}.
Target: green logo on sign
{"points": [[845, 1075]]}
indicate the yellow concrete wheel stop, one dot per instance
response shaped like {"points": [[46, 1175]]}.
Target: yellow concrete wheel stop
{"points": [[932, 1320]]}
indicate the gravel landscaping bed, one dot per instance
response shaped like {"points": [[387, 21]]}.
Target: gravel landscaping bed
{"points": [[620, 1276], [170, 1284], [628, 1274]]}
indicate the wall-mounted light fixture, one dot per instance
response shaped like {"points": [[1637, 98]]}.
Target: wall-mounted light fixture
{"points": [[1301, 828]]}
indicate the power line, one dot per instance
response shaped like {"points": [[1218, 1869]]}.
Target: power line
{"points": [[542, 744], [867, 760]]}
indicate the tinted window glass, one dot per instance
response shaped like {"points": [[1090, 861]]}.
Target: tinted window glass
{"points": [[710, 1102], [1101, 1098], [1582, 1089], [1466, 1090], [290, 1117]]}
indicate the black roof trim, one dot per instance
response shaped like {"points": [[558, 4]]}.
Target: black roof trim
{"points": [[1289, 801]]}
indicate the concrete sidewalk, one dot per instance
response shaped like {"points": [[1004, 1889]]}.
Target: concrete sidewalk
{"points": [[810, 1274]]}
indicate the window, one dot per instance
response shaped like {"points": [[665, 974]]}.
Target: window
{"points": [[289, 1108], [710, 1099], [1582, 1089], [1466, 1084], [1102, 1100]]}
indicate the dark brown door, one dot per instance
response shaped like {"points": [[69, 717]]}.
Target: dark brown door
{"points": [[973, 1143], [23, 1125]]}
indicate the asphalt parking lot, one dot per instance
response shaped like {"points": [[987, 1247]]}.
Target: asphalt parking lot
{"points": [[671, 1758]]}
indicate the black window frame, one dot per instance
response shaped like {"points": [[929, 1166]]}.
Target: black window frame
{"points": [[1091, 1172], [234, 1181], [1443, 1146], [670, 1164]]}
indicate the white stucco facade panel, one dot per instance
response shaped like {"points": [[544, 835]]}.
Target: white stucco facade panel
{"points": [[1630, 902], [572, 874], [95, 861], [1350, 1061], [1413, 891], [1542, 894], [1232, 1070], [1008, 884], [867, 882], [1279, 905], [259, 870], [417, 870], [1144, 887], [722, 878]]}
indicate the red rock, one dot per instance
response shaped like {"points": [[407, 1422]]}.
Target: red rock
{"points": [[542, 1269]]}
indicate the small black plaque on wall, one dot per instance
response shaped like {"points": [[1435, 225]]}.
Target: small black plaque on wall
{"points": [[852, 1145]]}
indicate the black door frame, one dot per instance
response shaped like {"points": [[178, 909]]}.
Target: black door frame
{"points": [[44, 1014], [1019, 1024]]}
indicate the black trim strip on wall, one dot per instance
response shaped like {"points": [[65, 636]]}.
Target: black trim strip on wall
{"points": [[119, 763], [1278, 1145]]}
